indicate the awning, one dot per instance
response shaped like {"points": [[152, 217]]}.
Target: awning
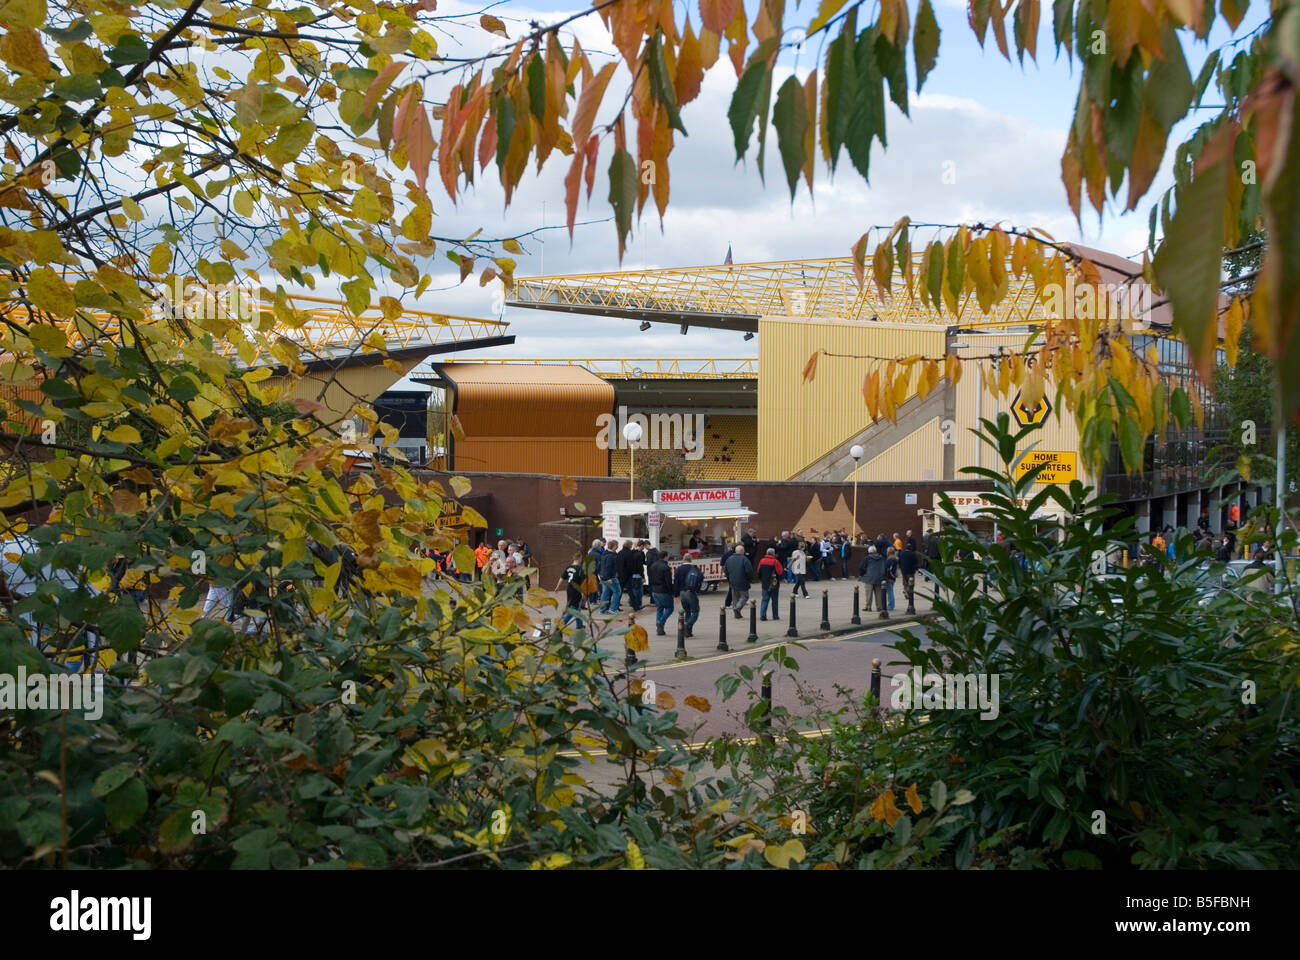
{"points": [[710, 513]]}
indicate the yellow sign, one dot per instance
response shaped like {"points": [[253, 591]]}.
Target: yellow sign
{"points": [[1027, 416], [1062, 465]]}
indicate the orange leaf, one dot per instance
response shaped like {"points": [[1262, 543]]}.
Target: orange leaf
{"points": [[913, 799], [417, 135], [810, 368], [716, 15], [493, 25], [568, 486], [665, 700], [125, 502], [690, 67], [883, 808], [698, 703], [637, 639], [380, 84]]}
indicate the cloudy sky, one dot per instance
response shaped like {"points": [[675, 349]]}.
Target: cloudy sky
{"points": [[1001, 126]]}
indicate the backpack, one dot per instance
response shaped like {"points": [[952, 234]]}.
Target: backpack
{"points": [[694, 578]]}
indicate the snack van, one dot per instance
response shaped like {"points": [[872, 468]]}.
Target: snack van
{"points": [[714, 516]]}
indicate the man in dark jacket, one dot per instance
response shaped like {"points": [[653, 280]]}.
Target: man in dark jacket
{"points": [[686, 586], [872, 573], [624, 563], [883, 544], [907, 564], [660, 579], [769, 577], [636, 580], [785, 548], [740, 575], [751, 547], [611, 591]]}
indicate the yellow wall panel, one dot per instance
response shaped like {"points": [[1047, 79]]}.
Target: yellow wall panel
{"points": [[909, 459], [800, 421]]}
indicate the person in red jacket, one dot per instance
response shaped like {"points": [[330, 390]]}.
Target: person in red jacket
{"points": [[770, 572]]}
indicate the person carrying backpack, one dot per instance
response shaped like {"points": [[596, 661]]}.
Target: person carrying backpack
{"points": [[659, 578], [769, 578], [891, 574], [686, 586], [872, 573]]}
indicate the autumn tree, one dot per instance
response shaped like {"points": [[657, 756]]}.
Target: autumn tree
{"points": [[251, 152]]}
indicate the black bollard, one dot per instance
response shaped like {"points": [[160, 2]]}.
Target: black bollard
{"points": [[826, 611], [753, 624], [875, 680], [792, 632], [722, 629], [857, 617], [911, 598], [880, 600], [766, 722], [681, 636]]}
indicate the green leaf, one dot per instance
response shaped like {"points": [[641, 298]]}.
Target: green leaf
{"points": [[127, 804], [122, 624], [841, 85], [867, 119], [925, 41], [505, 114], [893, 66], [1188, 263], [790, 117], [176, 832], [537, 87], [1181, 407], [938, 794], [622, 193], [112, 778], [661, 84], [1130, 443], [1203, 78], [76, 88], [934, 275], [745, 103], [956, 266]]}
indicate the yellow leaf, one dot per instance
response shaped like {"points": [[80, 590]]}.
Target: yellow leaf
{"points": [[160, 258], [780, 857], [459, 486], [637, 639], [123, 434], [125, 502], [634, 859], [132, 209], [913, 799], [698, 703], [48, 292], [243, 203], [493, 25], [512, 246], [883, 808]]}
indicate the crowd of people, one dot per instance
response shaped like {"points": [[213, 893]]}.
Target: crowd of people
{"points": [[599, 578], [509, 559]]}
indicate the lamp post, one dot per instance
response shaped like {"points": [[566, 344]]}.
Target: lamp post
{"points": [[855, 452], [631, 433]]}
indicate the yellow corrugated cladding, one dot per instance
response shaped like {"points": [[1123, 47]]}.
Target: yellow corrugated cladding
{"points": [[800, 421], [730, 451], [1058, 432], [918, 456]]}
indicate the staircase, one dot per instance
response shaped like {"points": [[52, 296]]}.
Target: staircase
{"points": [[836, 465]]}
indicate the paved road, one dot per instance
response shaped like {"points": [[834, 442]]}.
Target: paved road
{"points": [[824, 664]]}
